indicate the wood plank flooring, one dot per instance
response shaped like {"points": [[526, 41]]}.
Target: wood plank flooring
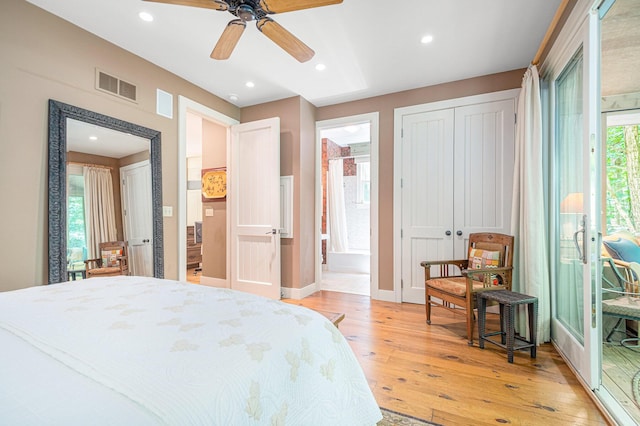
{"points": [[430, 372], [619, 366]]}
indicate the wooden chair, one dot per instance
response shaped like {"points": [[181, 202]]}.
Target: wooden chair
{"points": [[488, 266], [113, 260]]}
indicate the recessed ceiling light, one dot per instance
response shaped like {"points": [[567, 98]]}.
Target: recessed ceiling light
{"points": [[321, 67], [93, 138], [426, 39], [249, 84], [146, 16], [233, 97]]}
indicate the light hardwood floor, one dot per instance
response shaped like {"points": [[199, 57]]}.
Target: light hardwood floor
{"points": [[430, 372]]}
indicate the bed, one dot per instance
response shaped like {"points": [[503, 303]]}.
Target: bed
{"points": [[146, 351]]}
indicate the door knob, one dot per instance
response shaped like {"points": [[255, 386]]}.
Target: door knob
{"points": [[459, 233], [447, 233]]}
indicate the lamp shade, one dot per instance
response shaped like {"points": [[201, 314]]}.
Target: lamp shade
{"points": [[572, 203]]}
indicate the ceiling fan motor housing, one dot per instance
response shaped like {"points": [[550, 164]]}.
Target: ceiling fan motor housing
{"points": [[247, 10]]}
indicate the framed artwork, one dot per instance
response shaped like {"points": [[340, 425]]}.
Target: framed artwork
{"points": [[214, 184]]}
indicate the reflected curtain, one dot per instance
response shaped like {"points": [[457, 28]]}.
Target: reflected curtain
{"points": [[570, 189], [528, 222], [337, 211], [100, 217]]}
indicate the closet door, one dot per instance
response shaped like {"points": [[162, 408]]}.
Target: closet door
{"points": [[483, 170], [456, 179], [427, 196]]}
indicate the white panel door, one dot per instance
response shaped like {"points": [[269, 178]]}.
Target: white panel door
{"points": [[483, 170], [137, 217], [457, 172], [254, 195], [427, 196]]}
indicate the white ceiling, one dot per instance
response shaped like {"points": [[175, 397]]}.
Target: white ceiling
{"points": [[97, 140], [369, 47]]}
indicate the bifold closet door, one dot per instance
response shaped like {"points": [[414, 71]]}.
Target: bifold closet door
{"points": [[427, 195], [457, 172]]}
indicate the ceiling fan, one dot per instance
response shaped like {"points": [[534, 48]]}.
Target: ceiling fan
{"points": [[256, 10]]}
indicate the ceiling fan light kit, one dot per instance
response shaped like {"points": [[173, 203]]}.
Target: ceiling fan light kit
{"points": [[256, 10]]}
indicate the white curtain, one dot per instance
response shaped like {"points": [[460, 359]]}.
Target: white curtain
{"points": [[337, 211], [100, 217], [528, 224]]}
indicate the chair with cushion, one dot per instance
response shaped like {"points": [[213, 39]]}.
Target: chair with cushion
{"points": [[488, 266], [113, 260], [621, 296]]}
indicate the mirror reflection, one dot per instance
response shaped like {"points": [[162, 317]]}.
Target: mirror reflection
{"points": [[109, 214], [105, 196]]}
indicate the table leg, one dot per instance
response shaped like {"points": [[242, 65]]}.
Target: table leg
{"points": [[533, 325], [482, 314], [510, 314]]}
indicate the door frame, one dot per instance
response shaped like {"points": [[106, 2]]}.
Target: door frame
{"points": [[373, 119], [187, 105], [396, 294]]}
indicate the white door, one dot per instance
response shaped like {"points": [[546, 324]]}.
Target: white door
{"points": [[457, 172], [576, 214], [254, 195], [136, 217], [483, 170], [427, 196]]}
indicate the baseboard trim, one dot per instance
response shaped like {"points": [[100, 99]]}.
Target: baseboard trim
{"points": [[298, 293]]}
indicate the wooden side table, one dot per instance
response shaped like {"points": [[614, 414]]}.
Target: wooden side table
{"points": [[508, 301], [334, 317]]}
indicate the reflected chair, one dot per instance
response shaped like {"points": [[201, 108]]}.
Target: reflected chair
{"points": [[621, 296], [113, 260], [488, 266]]}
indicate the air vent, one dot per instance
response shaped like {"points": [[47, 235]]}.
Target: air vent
{"points": [[115, 86]]}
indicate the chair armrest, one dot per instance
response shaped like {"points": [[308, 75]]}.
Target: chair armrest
{"points": [[488, 273], [443, 264], [98, 263]]}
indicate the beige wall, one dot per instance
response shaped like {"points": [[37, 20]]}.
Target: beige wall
{"points": [[385, 106], [214, 228], [44, 57]]}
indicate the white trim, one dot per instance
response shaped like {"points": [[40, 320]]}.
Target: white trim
{"points": [[298, 293], [184, 105], [398, 115], [373, 119]]}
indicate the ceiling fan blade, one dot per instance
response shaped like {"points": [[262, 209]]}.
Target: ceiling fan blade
{"points": [[283, 38], [280, 6], [207, 4], [228, 39]]}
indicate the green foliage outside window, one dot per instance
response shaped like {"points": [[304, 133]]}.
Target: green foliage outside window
{"points": [[622, 177], [75, 213]]}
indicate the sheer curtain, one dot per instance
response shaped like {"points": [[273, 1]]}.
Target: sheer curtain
{"points": [[337, 212], [528, 224], [100, 217]]}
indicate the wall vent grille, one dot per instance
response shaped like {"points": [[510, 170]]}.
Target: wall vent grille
{"points": [[116, 86]]}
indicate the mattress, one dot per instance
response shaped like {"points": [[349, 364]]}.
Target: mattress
{"points": [[145, 351]]}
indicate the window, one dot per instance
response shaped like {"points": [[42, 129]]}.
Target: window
{"points": [[623, 173], [76, 233], [363, 179]]}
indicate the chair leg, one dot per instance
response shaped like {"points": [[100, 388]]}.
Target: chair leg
{"points": [[427, 306], [470, 320]]}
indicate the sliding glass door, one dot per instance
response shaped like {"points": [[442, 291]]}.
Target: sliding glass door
{"points": [[574, 213]]}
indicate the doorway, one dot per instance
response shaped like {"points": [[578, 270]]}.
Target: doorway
{"points": [[346, 190]]}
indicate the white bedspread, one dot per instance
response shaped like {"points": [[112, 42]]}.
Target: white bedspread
{"points": [[164, 352]]}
